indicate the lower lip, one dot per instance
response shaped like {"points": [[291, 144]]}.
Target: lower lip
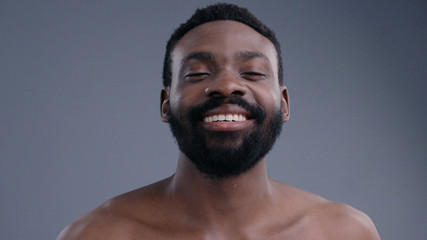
{"points": [[227, 126]]}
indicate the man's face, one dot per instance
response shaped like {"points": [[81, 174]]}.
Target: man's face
{"points": [[225, 106]]}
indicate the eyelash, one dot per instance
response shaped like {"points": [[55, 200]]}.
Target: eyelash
{"points": [[196, 74], [246, 75], [253, 74]]}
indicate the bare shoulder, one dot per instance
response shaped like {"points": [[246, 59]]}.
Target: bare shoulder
{"points": [[317, 217], [121, 217], [97, 224], [341, 221]]}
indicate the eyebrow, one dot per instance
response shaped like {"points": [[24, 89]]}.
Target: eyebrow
{"points": [[201, 56], [247, 55], [239, 56]]}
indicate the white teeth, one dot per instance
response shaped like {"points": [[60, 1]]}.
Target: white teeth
{"points": [[225, 118]]}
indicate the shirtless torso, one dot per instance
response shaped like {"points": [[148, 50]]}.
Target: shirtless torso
{"points": [[169, 210]]}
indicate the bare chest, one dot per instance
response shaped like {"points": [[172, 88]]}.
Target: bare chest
{"points": [[293, 232]]}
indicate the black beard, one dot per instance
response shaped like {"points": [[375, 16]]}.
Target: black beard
{"points": [[221, 161]]}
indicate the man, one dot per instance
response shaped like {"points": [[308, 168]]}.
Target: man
{"points": [[225, 101]]}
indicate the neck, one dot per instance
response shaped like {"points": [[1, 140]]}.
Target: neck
{"points": [[216, 200]]}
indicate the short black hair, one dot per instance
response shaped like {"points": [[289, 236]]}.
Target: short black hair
{"points": [[219, 11]]}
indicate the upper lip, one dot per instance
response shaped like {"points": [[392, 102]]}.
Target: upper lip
{"points": [[227, 109]]}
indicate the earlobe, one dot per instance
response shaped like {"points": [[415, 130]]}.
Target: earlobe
{"points": [[285, 103], [164, 105]]}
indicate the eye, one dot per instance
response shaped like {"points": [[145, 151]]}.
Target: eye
{"points": [[197, 76], [253, 76]]}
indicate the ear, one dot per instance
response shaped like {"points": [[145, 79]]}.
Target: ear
{"points": [[164, 105], [285, 103]]}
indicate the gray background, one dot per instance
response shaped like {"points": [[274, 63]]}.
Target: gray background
{"points": [[79, 106]]}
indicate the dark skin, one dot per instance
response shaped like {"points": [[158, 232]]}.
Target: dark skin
{"points": [[188, 205]]}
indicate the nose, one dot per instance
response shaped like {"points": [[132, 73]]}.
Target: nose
{"points": [[226, 84]]}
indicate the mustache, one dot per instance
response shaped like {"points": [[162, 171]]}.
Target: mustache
{"points": [[256, 112]]}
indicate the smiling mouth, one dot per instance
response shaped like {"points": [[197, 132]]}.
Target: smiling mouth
{"points": [[225, 118]]}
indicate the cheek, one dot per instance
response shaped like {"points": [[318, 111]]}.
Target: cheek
{"points": [[178, 105], [183, 99], [276, 96], [267, 97]]}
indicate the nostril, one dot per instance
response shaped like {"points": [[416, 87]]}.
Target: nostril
{"points": [[237, 93], [218, 94], [214, 94]]}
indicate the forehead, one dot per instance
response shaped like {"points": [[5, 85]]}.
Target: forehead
{"points": [[223, 38]]}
